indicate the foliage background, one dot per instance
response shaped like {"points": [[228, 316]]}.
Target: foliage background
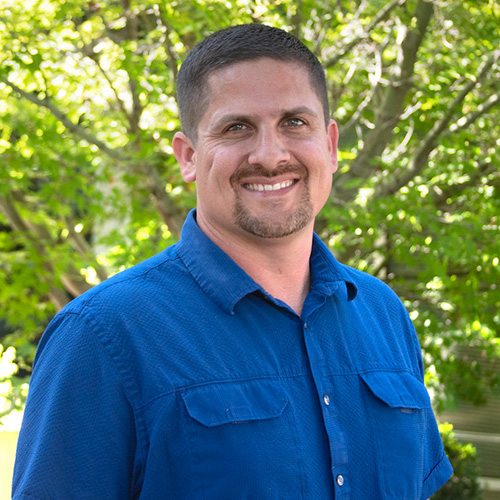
{"points": [[464, 484], [89, 184]]}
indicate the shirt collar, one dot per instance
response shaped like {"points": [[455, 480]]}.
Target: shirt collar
{"points": [[216, 273], [327, 272], [226, 283]]}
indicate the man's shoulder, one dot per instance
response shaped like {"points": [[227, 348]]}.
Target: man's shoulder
{"points": [[161, 272], [374, 293], [387, 332], [366, 282], [123, 306]]}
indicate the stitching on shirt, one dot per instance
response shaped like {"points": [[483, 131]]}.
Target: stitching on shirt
{"points": [[221, 381], [373, 370], [129, 392], [87, 303], [443, 457], [188, 387]]}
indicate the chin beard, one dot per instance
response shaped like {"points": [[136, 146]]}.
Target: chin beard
{"points": [[269, 226]]}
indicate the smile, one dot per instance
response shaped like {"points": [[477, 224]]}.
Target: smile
{"points": [[269, 187]]}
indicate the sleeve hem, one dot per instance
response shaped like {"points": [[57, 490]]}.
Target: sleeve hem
{"points": [[437, 478]]}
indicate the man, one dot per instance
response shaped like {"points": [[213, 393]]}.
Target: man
{"points": [[243, 362]]}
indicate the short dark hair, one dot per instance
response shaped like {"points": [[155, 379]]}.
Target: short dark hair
{"points": [[236, 44]]}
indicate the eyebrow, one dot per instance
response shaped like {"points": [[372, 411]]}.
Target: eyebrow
{"points": [[301, 110], [286, 113]]}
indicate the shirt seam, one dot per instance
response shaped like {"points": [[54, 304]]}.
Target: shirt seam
{"points": [[142, 432], [188, 387], [372, 370], [85, 305], [441, 459]]}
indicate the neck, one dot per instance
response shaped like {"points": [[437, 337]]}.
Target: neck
{"points": [[279, 265]]}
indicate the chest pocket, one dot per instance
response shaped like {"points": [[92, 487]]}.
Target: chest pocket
{"points": [[243, 441], [219, 404], [398, 389], [399, 408]]}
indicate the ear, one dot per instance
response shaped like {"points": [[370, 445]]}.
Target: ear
{"points": [[333, 139], [185, 154]]}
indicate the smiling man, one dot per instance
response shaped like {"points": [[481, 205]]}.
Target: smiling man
{"points": [[243, 362], [262, 158]]}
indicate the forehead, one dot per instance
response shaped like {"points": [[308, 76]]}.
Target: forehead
{"points": [[259, 82], [256, 70]]}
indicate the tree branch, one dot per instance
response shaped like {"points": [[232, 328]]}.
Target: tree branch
{"points": [[95, 58], [41, 239], [56, 295], [79, 243], [296, 19], [172, 56], [135, 116], [132, 34], [131, 25], [322, 25], [379, 17], [470, 118], [419, 159], [375, 81], [391, 108], [442, 193], [166, 207], [76, 129]]}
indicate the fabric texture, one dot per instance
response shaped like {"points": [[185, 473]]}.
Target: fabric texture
{"points": [[181, 378]]}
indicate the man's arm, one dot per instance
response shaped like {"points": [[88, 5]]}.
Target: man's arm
{"points": [[78, 434]]}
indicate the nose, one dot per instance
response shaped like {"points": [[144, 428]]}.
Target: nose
{"points": [[269, 149]]}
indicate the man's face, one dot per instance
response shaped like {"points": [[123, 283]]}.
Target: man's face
{"points": [[263, 161]]}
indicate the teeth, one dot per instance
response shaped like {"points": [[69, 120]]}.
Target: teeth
{"points": [[269, 187]]}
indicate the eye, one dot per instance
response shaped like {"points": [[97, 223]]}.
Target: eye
{"points": [[236, 127], [294, 122]]}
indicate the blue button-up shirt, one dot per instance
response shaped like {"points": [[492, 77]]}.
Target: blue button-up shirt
{"points": [[181, 378]]}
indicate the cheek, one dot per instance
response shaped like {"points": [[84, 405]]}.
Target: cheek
{"points": [[320, 191], [323, 191], [214, 171], [224, 163]]}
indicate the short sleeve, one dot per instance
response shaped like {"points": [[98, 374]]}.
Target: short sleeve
{"points": [[78, 433]]}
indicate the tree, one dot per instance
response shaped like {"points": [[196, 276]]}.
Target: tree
{"points": [[89, 185]]}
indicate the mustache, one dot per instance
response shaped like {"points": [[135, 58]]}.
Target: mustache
{"points": [[245, 171]]}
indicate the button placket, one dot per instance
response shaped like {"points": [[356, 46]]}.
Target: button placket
{"points": [[325, 395]]}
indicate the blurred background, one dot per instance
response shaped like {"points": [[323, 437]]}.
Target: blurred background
{"points": [[89, 185]]}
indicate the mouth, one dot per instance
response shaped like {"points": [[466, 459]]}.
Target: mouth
{"points": [[269, 187]]}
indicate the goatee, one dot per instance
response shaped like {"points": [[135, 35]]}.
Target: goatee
{"points": [[272, 225]]}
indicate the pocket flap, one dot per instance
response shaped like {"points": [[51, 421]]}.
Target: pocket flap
{"points": [[398, 389], [217, 404]]}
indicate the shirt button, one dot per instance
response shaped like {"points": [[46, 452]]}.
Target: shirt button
{"points": [[340, 480], [326, 399]]}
